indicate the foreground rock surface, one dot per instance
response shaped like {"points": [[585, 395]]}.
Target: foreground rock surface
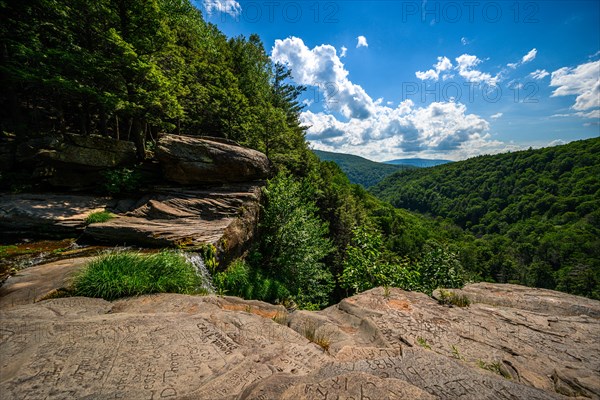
{"points": [[191, 160], [403, 345]]}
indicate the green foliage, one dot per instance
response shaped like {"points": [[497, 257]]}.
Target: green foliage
{"points": [[293, 241], [122, 180], [439, 268], [423, 343], [365, 266], [240, 279], [98, 217], [534, 214], [125, 273], [132, 69], [360, 170]]}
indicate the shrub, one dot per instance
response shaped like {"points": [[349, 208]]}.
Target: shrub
{"points": [[365, 266], [98, 217], [125, 273], [121, 180], [242, 281], [294, 242]]}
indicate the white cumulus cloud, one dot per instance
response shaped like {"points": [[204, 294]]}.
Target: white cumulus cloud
{"points": [[582, 81], [525, 59], [529, 56], [497, 115], [231, 7], [539, 74], [343, 51], [466, 64], [375, 128], [322, 67], [362, 42], [443, 64]]}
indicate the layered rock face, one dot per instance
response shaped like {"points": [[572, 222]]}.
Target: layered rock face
{"points": [[188, 161], [77, 162], [223, 216], [376, 345], [219, 204], [72, 161]]}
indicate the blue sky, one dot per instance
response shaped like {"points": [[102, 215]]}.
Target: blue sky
{"points": [[433, 79]]}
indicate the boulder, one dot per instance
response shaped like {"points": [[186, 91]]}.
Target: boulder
{"points": [[193, 160], [376, 345], [78, 151], [72, 161]]}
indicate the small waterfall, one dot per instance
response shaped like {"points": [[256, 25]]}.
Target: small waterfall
{"points": [[196, 260]]}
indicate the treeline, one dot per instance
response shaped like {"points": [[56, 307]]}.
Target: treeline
{"points": [[131, 69], [536, 212]]}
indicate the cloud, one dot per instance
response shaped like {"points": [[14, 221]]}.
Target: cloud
{"points": [[525, 59], [343, 51], [231, 7], [556, 142], [362, 42], [497, 115], [539, 74], [529, 56], [441, 126], [466, 64], [322, 67], [355, 123], [464, 41], [582, 81], [443, 64]]}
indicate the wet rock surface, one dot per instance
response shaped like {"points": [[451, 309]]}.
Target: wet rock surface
{"points": [[374, 345]]}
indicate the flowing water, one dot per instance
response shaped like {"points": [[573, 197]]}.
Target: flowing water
{"points": [[196, 260]]}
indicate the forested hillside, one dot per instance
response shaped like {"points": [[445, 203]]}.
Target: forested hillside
{"points": [[134, 69], [360, 170], [536, 211], [418, 162]]}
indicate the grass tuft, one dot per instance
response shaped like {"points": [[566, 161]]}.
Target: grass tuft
{"points": [[126, 273], [310, 331], [451, 298], [495, 367], [423, 343], [99, 217]]}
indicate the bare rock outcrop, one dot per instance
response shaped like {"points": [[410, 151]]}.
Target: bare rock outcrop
{"points": [[224, 216], [72, 161], [192, 160], [376, 345]]}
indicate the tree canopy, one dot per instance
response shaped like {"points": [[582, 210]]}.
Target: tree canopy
{"points": [[536, 212]]}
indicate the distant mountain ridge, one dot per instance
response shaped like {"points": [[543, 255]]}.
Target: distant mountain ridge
{"points": [[361, 170], [418, 162]]}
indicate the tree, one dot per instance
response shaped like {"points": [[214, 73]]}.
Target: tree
{"points": [[293, 241]]}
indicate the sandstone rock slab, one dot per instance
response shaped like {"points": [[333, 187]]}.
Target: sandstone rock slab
{"points": [[384, 346], [192, 160]]}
